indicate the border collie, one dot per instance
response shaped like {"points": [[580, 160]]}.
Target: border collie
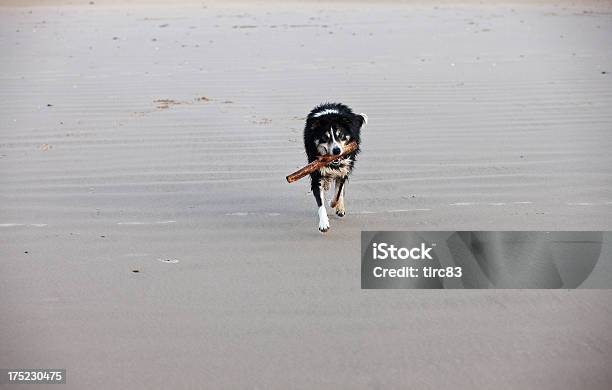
{"points": [[329, 128]]}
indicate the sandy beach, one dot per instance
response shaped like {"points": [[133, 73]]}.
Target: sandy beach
{"points": [[149, 240]]}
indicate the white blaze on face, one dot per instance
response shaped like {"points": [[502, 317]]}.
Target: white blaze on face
{"points": [[330, 140], [334, 143]]}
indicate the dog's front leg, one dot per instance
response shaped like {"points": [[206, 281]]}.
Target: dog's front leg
{"points": [[338, 201], [319, 193]]}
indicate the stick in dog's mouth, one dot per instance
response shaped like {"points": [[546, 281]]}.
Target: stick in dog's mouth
{"points": [[321, 162]]}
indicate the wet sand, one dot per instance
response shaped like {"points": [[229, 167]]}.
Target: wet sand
{"points": [[141, 137]]}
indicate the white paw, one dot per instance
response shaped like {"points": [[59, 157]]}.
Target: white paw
{"points": [[323, 220]]}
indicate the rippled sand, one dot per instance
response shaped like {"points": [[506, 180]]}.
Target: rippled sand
{"points": [[137, 137]]}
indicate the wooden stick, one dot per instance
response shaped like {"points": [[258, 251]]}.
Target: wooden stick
{"points": [[320, 163]]}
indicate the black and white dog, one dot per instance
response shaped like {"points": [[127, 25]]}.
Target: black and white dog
{"points": [[329, 128]]}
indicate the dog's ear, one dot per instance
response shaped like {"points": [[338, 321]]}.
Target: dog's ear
{"points": [[360, 120]]}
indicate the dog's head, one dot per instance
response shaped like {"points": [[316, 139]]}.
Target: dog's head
{"points": [[331, 129]]}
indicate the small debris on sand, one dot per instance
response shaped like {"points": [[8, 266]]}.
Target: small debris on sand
{"points": [[262, 121], [169, 261], [166, 103]]}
